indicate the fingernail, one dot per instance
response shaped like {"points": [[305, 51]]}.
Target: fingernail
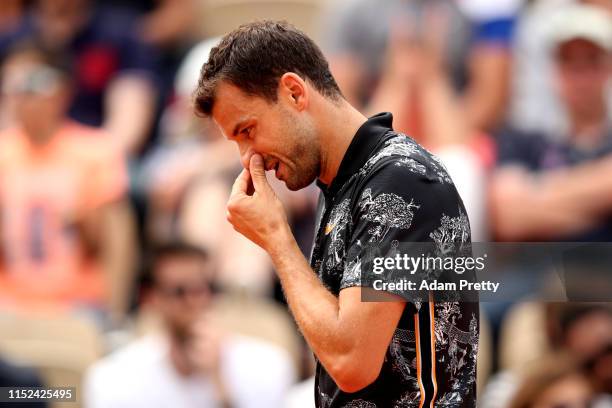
{"points": [[257, 160]]}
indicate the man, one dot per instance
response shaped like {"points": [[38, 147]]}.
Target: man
{"points": [[66, 229], [474, 40], [269, 89], [192, 363], [558, 186]]}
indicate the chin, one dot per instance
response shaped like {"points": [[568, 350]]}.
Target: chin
{"points": [[295, 185]]}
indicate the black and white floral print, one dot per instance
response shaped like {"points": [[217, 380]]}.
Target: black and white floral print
{"points": [[390, 190]]}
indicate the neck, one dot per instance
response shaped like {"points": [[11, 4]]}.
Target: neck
{"points": [[41, 135], [339, 123], [179, 358]]}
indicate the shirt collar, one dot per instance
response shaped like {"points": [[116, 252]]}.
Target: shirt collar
{"points": [[359, 151]]}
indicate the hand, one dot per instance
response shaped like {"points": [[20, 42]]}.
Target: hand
{"points": [[204, 351], [253, 208]]}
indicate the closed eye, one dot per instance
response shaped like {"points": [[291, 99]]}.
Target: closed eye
{"points": [[246, 132]]}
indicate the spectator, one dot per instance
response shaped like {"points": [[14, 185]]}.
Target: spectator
{"points": [[356, 46], [114, 86], [559, 187], [65, 230], [551, 383], [535, 106], [582, 332], [192, 363], [585, 330]]}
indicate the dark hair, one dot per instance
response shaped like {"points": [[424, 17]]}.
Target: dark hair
{"points": [[174, 249], [254, 56], [177, 249], [56, 59]]}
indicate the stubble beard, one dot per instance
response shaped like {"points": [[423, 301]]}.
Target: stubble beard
{"points": [[306, 155]]}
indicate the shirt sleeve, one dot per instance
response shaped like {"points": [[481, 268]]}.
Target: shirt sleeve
{"points": [[406, 200], [519, 149]]}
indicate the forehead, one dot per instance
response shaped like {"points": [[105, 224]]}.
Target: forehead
{"points": [[22, 60], [579, 47], [179, 268], [232, 105]]}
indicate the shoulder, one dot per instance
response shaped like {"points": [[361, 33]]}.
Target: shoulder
{"points": [[404, 168], [406, 186], [149, 350], [142, 364], [88, 143], [251, 352], [135, 360], [13, 147], [242, 360], [400, 155]]}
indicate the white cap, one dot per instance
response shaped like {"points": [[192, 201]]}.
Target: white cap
{"points": [[186, 79], [580, 21]]}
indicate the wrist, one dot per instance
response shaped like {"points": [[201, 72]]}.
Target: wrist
{"points": [[282, 243]]}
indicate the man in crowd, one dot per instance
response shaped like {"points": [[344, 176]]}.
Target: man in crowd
{"points": [[559, 188], [476, 37], [192, 363], [66, 231]]}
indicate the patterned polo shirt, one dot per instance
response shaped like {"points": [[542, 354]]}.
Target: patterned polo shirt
{"points": [[388, 189]]}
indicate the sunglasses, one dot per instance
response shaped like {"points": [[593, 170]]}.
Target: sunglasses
{"points": [[43, 80], [182, 291]]}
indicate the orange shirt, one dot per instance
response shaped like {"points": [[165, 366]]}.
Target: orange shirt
{"points": [[44, 190]]}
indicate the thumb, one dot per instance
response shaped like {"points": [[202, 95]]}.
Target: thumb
{"points": [[258, 173]]}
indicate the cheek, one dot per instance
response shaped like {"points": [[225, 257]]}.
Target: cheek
{"points": [[25, 109]]}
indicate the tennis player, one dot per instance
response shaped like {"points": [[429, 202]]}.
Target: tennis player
{"points": [[269, 89]]}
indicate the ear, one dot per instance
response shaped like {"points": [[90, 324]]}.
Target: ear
{"points": [[294, 91]]}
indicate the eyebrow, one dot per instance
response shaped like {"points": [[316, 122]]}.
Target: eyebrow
{"points": [[240, 124]]}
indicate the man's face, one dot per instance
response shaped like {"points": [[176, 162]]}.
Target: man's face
{"points": [[60, 20], [285, 137], [583, 70], [38, 94], [181, 292]]}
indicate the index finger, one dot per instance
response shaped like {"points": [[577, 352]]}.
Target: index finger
{"points": [[241, 184]]}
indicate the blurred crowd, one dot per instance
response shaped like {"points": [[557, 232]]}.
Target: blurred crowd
{"points": [[119, 273]]}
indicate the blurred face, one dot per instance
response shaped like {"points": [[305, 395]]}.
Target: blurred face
{"points": [[583, 70], [182, 292], [589, 334], [573, 391], [37, 94], [590, 338], [59, 20], [604, 4], [284, 136]]}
